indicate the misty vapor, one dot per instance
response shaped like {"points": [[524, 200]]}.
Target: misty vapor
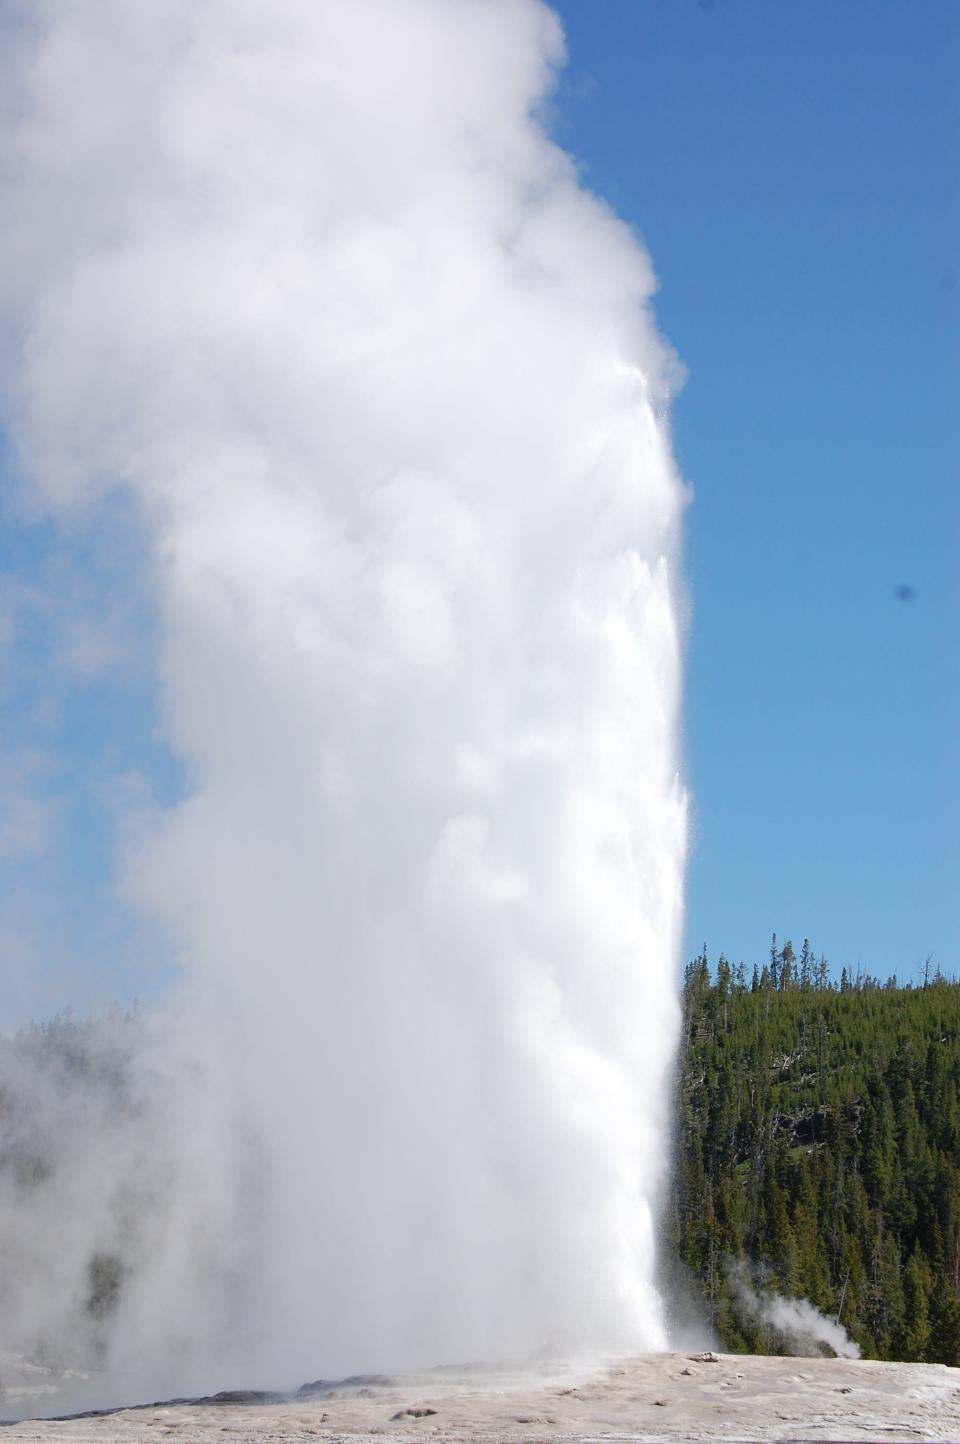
{"points": [[311, 286]]}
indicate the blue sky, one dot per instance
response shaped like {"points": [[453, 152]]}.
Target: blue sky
{"points": [[791, 169], [78, 750]]}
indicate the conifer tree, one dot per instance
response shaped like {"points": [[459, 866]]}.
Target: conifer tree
{"points": [[820, 1140]]}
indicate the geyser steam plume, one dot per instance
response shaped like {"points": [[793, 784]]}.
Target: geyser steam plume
{"points": [[311, 285]]}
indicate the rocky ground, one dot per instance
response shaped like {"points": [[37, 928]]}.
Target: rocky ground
{"points": [[655, 1397]]}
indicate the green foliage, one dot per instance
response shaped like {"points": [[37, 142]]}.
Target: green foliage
{"points": [[818, 1137]]}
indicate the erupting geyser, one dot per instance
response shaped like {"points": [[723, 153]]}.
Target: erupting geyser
{"points": [[310, 283]]}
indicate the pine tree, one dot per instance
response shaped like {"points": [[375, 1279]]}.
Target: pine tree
{"points": [[826, 1138]]}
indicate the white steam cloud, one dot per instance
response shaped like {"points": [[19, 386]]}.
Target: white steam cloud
{"points": [[310, 283], [801, 1324]]}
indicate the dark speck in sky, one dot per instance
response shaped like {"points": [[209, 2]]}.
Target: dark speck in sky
{"points": [[904, 592]]}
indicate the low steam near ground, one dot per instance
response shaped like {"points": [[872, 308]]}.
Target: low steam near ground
{"points": [[801, 1326]]}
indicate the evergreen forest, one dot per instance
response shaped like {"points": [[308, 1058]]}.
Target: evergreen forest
{"points": [[816, 1158], [817, 1151]]}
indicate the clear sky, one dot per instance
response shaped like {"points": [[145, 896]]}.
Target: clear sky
{"points": [[792, 169]]}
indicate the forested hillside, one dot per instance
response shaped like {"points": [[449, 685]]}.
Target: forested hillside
{"points": [[817, 1156], [818, 1150]]}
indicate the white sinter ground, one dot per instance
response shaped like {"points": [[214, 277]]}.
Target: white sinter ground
{"points": [[657, 1398]]}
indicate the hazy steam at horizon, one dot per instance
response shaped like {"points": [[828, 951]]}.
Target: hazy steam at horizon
{"points": [[311, 285]]}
